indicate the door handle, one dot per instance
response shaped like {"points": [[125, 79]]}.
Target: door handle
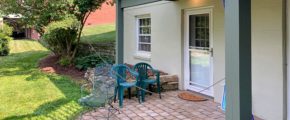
{"points": [[211, 52]]}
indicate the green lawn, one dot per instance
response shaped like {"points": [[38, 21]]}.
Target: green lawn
{"points": [[27, 93], [99, 33]]}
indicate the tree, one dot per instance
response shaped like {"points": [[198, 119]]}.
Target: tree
{"points": [[82, 10], [36, 13], [40, 13]]}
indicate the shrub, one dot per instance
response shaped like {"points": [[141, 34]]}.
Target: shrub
{"points": [[4, 44], [6, 30], [91, 61], [60, 38], [64, 61], [69, 22]]}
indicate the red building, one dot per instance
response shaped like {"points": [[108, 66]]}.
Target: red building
{"points": [[106, 15], [32, 34]]}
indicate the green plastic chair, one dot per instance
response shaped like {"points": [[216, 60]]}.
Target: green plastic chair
{"points": [[102, 92], [119, 73], [143, 69]]}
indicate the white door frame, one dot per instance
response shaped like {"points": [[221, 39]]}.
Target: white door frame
{"points": [[187, 13]]}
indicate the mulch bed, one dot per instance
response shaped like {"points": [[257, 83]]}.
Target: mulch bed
{"points": [[50, 65]]}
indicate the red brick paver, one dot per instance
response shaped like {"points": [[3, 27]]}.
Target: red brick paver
{"points": [[170, 107]]}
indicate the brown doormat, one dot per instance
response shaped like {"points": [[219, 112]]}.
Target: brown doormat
{"points": [[191, 97]]}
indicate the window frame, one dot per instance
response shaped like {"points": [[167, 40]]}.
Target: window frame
{"points": [[142, 53]]}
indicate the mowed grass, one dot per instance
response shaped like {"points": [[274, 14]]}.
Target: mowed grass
{"points": [[99, 33], [28, 93]]}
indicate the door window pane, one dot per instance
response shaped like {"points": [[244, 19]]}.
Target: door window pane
{"points": [[199, 31]]}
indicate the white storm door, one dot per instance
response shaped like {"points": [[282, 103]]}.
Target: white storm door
{"points": [[198, 51]]}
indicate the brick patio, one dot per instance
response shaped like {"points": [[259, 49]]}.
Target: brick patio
{"points": [[170, 107]]}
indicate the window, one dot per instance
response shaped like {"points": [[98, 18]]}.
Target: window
{"points": [[144, 34], [199, 32]]}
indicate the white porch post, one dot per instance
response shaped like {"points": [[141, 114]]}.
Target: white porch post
{"points": [[238, 59]]}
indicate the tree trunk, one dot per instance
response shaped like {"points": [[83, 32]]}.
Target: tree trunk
{"points": [[84, 19]]}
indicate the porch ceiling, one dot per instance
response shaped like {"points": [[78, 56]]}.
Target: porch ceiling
{"points": [[131, 3]]}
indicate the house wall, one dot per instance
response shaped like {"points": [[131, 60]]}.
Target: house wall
{"points": [[166, 36], [267, 59], [167, 47]]}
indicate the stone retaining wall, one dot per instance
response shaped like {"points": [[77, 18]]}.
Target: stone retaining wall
{"points": [[103, 48]]}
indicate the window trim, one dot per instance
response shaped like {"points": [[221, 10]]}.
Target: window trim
{"points": [[145, 55]]}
